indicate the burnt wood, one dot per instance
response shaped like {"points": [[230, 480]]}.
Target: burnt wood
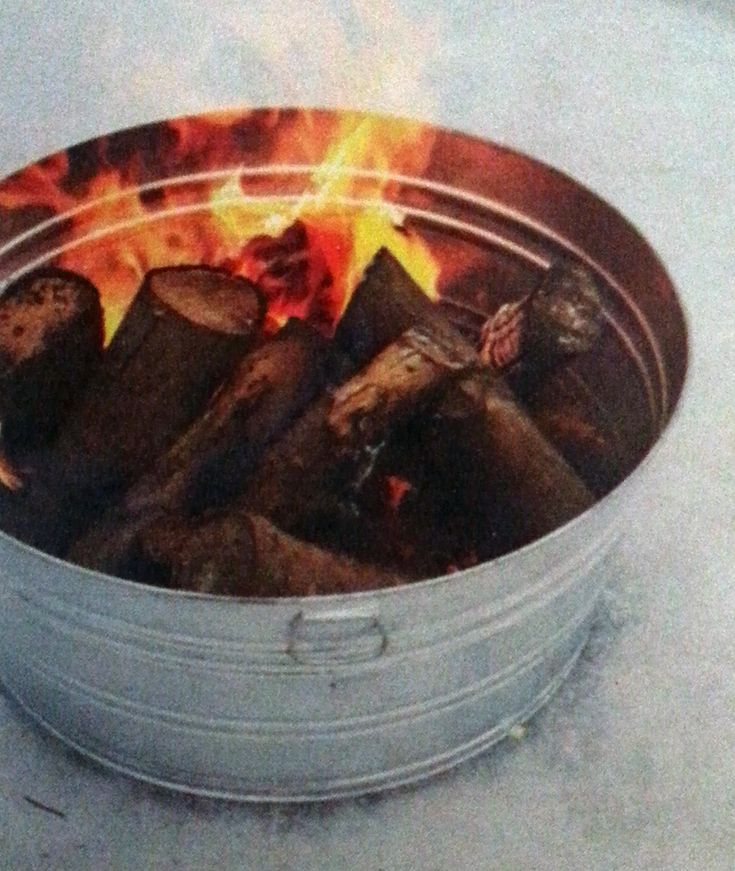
{"points": [[513, 459], [51, 337], [324, 448], [244, 554], [415, 507], [532, 487], [386, 303], [185, 329], [206, 466]]}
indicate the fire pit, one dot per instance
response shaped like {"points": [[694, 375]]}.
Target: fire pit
{"points": [[380, 562]]}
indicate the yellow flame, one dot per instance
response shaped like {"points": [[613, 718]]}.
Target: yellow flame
{"points": [[352, 150], [382, 148], [238, 217], [374, 229], [359, 165]]}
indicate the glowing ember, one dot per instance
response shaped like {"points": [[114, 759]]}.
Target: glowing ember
{"points": [[347, 211], [396, 489], [292, 272], [9, 477]]}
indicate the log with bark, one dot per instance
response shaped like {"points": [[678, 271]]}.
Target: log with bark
{"points": [[509, 454], [424, 507], [206, 466], [243, 554], [337, 434], [560, 319], [51, 337], [386, 303], [184, 331]]}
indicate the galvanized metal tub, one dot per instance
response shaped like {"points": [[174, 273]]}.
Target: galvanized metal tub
{"points": [[313, 698]]}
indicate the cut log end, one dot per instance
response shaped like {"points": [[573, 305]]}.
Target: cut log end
{"points": [[39, 308], [211, 298], [162, 365], [568, 306], [558, 320], [155, 379], [51, 336]]}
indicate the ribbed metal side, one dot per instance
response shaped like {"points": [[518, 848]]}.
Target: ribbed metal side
{"points": [[247, 721], [314, 786]]}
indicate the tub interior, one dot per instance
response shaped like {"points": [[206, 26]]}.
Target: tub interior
{"points": [[493, 221]]}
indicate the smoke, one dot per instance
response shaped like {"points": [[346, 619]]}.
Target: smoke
{"points": [[93, 72], [180, 57], [371, 54]]}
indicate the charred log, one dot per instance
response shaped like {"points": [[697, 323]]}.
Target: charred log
{"points": [[185, 329], [569, 413], [386, 303], [206, 466], [417, 509], [532, 488], [328, 443], [51, 338], [514, 460], [243, 554]]}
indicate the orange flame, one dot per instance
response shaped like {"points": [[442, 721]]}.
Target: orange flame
{"points": [[227, 178], [38, 184]]}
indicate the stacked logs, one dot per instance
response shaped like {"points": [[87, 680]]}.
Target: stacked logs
{"points": [[202, 452]]}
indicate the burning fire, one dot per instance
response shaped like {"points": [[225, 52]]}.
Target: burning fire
{"points": [[234, 196]]}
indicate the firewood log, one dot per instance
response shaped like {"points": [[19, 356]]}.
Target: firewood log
{"points": [[529, 339], [527, 479], [583, 430], [448, 511], [330, 440], [184, 331], [418, 508], [386, 303], [207, 464], [51, 338], [244, 554], [513, 457], [540, 344]]}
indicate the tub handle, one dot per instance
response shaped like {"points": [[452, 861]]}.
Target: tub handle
{"points": [[336, 637]]}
